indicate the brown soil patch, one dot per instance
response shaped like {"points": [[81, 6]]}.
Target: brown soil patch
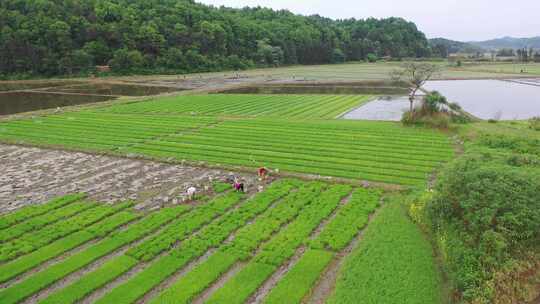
{"points": [[34, 175]]}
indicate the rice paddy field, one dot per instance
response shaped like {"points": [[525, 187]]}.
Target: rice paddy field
{"points": [[200, 129], [291, 241], [268, 247], [305, 106]]}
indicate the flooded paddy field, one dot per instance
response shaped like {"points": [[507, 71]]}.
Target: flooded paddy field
{"points": [[382, 108], [115, 89], [19, 102], [34, 84], [23, 96], [508, 99], [493, 99]]}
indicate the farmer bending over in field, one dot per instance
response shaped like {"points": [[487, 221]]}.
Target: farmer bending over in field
{"points": [[238, 186], [191, 192], [262, 172]]}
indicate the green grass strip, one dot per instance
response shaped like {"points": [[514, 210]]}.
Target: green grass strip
{"points": [[26, 213], [298, 281], [392, 264]]}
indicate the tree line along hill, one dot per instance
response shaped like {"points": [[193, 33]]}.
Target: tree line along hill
{"points": [[62, 37]]}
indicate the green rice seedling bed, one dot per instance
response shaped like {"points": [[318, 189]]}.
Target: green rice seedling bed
{"points": [[393, 253], [26, 213], [279, 249], [115, 240], [43, 220], [291, 106], [350, 219], [32, 241], [209, 237], [100, 229]]}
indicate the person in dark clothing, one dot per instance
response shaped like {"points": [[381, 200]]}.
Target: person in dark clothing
{"points": [[238, 186]]}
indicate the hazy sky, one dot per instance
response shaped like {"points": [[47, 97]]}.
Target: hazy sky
{"points": [[454, 19]]}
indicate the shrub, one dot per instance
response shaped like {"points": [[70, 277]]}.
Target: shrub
{"points": [[433, 102], [486, 213], [436, 120], [522, 160], [512, 143], [372, 57], [534, 123], [454, 106]]}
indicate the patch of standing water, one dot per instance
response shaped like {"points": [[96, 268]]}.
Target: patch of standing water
{"points": [[493, 99], [383, 108]]}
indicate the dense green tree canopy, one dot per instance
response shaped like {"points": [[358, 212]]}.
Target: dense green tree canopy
{"points": [[55, 37]]}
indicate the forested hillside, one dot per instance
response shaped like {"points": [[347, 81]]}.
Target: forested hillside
{"points": [[62, 37], [442, 47]]}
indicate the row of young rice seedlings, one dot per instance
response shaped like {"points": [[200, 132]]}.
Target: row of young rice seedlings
{"points": [[279, 249], [352, 137], [346, 127], [303, 158], [89, 131], [222, 158], [285, 106], [346, 138], [31, 211], [138, 125], [32, 241], [231, 104], [392, 263], [321, 150], [42, 279], [329, 142], [320, 108], [337, 109], [43, 220], [272, 105], [245, 240], [403, 154], [209, 237], [95, 231], [296, 151], [172, 105], [177, 230], [352, 217], [222, 104]]}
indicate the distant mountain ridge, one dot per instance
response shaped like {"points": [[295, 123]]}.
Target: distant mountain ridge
{"points": [[443, 47], [508, 43]]}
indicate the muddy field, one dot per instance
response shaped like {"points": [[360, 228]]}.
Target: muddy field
{"points": [[33, 175]]}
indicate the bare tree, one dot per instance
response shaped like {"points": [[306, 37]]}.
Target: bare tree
{"points": [[416, 74]]}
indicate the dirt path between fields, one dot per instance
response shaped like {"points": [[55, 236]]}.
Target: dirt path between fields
{"points": [[34, 175]]}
